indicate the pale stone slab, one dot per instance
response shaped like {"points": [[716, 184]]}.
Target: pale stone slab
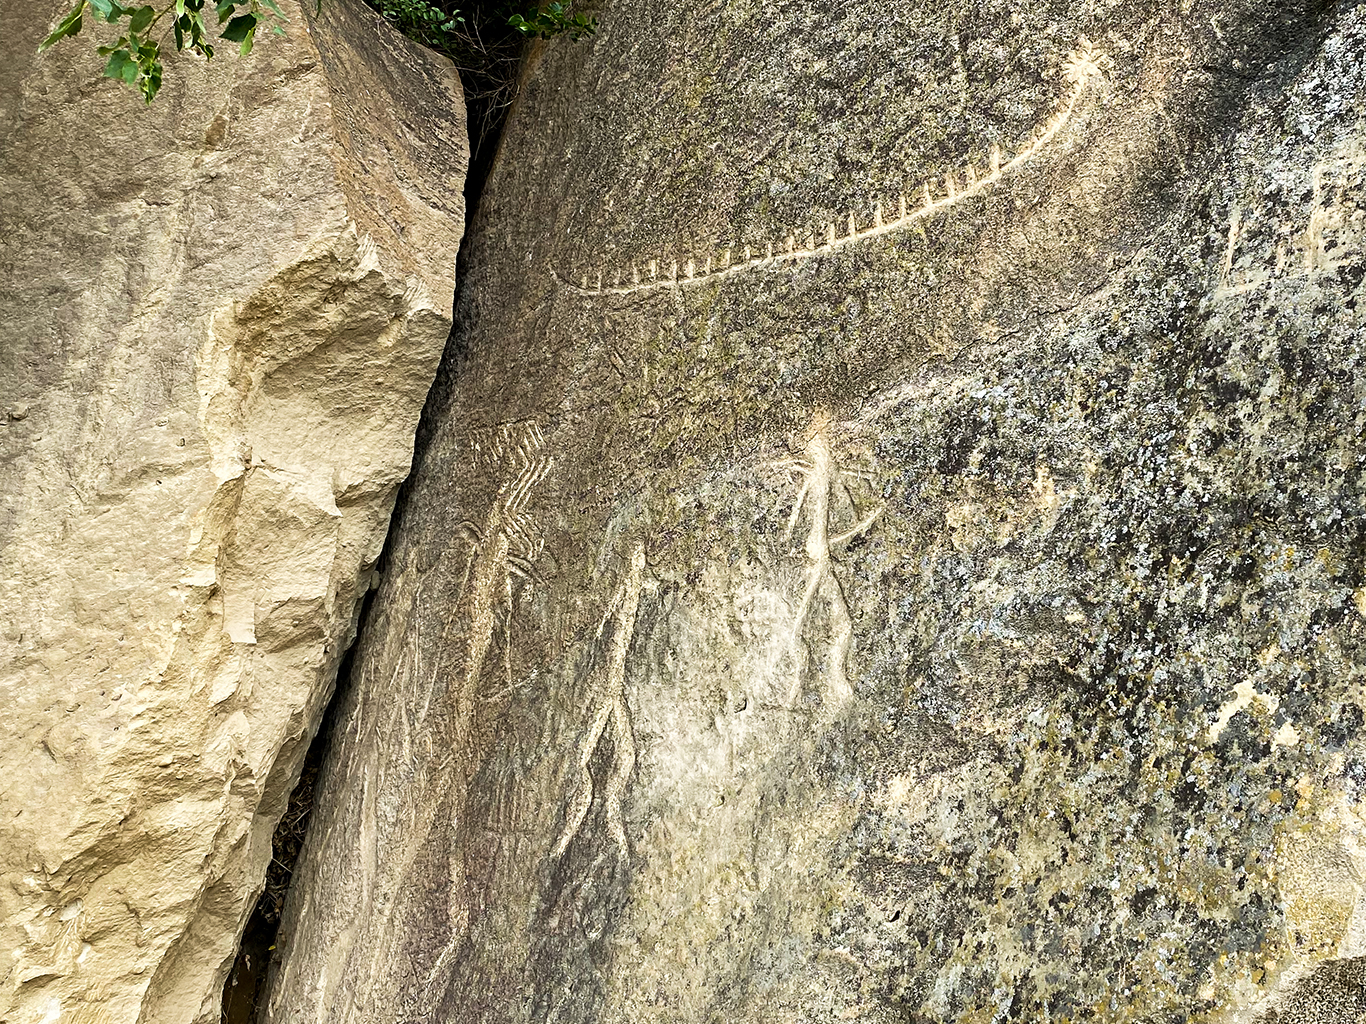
{"points": [[219, 320]]}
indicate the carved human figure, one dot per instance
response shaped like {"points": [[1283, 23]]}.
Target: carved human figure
{"points": [[506, 545], [820, 475], [612, 710]]}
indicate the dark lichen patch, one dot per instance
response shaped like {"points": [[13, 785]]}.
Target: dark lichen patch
{"points": [[1118, 849], [1069, 859], [1060, 730]]}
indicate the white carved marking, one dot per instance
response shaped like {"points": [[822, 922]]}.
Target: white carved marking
{"points": [[507, 543], [820, 475], [612, 710], [1333, 235], [1082, 67]]}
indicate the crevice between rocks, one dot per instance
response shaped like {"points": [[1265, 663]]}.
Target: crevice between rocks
{"points": [[244, 990]]}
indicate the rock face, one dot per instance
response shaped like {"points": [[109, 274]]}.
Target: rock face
{"points": [[890, 547], [219, 318]]}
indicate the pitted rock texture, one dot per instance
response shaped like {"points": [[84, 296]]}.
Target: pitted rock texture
{"points": [[220, 316], [960, 623]]}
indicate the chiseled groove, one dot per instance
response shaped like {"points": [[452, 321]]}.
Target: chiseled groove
{"points": [[1081, 69]]}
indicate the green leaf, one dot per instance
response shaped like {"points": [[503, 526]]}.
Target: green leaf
{"points": [[198, 32], [103, 8], [180, 33], [239, 28], [179, 7], [69, 26], [118, 60], [224, 9], [274, 8], [116, 12], [142, 17], [150, 81]]}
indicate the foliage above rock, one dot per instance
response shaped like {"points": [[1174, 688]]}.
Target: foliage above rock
{"points": [[135, 56]]}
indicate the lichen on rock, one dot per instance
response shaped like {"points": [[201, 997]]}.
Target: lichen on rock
{"points": [[996, 578]]}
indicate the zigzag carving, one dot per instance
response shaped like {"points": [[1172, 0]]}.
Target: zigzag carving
{"points": [[1080, 70]]}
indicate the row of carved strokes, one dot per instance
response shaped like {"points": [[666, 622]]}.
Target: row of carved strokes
{"points": [[1081, 68]]}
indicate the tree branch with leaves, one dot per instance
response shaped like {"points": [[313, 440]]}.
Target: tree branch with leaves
{"points": [[135, 56]]}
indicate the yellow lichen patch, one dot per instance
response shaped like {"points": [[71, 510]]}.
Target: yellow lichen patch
{"points": [[696, 894], [1319, 877]]}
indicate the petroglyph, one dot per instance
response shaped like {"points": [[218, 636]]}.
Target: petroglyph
{"points": [[612, 710], [506, 544], [1083, 67], [1336, 230], [1333, 235], [820, 476]]}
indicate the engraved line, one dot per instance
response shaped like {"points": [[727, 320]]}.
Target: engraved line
{"points": [[1081, 69], [821, 473], [622, 611]]}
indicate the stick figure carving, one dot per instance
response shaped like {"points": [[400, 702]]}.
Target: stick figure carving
{"points": [[612, 710], [820, 475], [506, 545]]}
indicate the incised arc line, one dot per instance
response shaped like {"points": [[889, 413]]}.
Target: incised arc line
{"points": [[1080, 69]]}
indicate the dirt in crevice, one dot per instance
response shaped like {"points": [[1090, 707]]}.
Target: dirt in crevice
{"points": [[244, 988], [246, 979], [489, 93]]}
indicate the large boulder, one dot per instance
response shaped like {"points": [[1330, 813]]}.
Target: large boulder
{"points": [[889, 544], [220, 316]]}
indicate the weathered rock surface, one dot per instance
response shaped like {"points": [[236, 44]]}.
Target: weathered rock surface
{"points": [[816, 605], [219, 319]]}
